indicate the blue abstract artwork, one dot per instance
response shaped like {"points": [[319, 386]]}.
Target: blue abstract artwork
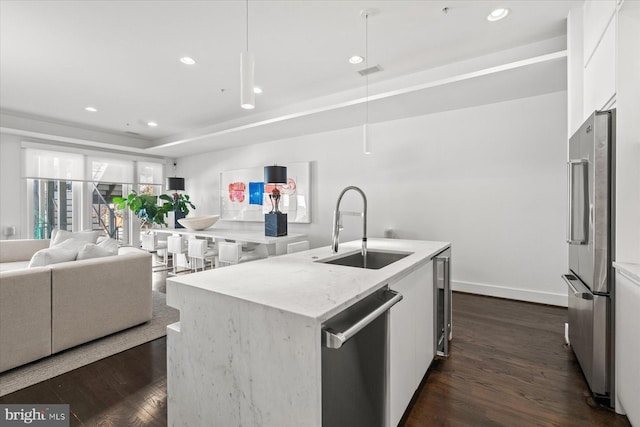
{"points": [[256, 190]]}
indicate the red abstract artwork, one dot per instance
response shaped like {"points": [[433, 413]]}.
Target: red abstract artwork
{"points": [[237, 191], [289, 188]]}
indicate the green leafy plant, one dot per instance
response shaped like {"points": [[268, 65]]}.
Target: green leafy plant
{"points": [[146, 207], [179, 202]]}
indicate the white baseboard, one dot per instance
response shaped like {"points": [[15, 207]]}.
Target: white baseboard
{"points": [[510, 293]]}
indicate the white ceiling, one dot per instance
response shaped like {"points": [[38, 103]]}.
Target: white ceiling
{"points": [[57, 57]]}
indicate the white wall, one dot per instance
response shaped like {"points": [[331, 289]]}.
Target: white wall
{"points": [[13, 207], [490, 179]]}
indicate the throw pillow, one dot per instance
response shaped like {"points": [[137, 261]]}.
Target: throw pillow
{"points": [[91, 250], [72, 244], [51, 256], [110, 245], [62, 235], [54, 232]]}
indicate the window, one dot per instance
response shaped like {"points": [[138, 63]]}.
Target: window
{"points": [[53, 207], [104, 216], [73, 191]]}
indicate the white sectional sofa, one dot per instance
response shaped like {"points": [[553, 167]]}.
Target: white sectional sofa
{"points": [[45, 310]]}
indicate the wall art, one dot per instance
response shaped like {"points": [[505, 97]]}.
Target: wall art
{"points": [[244, 196]]}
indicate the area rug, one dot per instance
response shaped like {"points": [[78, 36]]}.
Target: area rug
{"points": [[57, 364]]}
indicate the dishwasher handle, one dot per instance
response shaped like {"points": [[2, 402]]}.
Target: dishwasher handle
{"points": [[335, 339]]}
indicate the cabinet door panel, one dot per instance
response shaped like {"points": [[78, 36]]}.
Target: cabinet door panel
{"points": [[600, 73], [411, 342], [627, 347], [402, 350], [424, 331]]}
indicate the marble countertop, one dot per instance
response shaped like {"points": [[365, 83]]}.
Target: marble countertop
{"points": [[632, 271], [298, 284]]}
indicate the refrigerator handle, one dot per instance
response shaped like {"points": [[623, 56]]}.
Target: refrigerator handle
{"points": [[570, 165], [569, 278]]}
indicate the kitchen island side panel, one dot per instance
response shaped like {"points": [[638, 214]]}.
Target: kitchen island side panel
{"points": [[229, 360]]}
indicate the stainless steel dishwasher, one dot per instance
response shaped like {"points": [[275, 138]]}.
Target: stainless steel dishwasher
{"points": [[354, 363]]}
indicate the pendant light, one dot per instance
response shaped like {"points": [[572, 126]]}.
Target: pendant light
{"points": [[247, 68], [366, 145]]}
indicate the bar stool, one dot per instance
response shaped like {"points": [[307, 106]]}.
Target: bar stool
{"points": [[253, 251], [151, 243], [175, 247], [199, 250], [228, 253]]}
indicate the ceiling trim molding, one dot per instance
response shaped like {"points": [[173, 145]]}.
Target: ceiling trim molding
{"points": [[469, 76], [49, 138]]}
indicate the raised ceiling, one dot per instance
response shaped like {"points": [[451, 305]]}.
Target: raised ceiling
{"points": [[57, 57]]}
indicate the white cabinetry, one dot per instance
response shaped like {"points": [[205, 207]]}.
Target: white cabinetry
{"points": [[628, 133], [591, 41], [600, 73], [597, 15], [599, 55], [627, 347], [411, 338]]}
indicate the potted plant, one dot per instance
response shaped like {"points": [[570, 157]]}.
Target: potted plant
{"points": [[147, 209], [179, 204]]}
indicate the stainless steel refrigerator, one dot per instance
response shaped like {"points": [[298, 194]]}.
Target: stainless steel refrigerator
{"points": [[590, 235]]}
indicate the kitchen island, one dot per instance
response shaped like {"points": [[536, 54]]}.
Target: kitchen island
{"points": [[247, 349]]}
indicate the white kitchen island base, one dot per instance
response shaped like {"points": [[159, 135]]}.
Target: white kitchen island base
{"points": [[247, 349], [228, 372]]}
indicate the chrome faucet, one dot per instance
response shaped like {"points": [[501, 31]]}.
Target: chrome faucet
{"points": [[337, 220]]}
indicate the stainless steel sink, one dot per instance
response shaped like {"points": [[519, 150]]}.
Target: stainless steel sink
{"points": [[374, 259]]}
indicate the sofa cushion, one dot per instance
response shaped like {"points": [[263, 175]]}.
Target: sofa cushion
{"points": [[20, 249], [109, 244], [91, 250], [52, 256], [97, 297], [124, 250], [25, 316], [14, 265], [71, 244], [59, 236]]}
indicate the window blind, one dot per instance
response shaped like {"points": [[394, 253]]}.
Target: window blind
{"points": [[69, 166], [43, 164], [150, 173], [111, 170]]}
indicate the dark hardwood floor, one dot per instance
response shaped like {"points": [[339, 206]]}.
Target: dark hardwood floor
{"points": [[508, 367]]}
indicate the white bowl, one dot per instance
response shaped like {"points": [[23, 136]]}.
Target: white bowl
{"points": [[199, 222]]}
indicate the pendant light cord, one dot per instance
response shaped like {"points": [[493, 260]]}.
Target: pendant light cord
{"points": [[247, 11], [366, 63]]}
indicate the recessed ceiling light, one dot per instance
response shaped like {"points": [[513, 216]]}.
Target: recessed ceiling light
{"points": [[356, 59], [256, 89], [152, 124], [498, 14], [187, 60], [91, 109]]}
